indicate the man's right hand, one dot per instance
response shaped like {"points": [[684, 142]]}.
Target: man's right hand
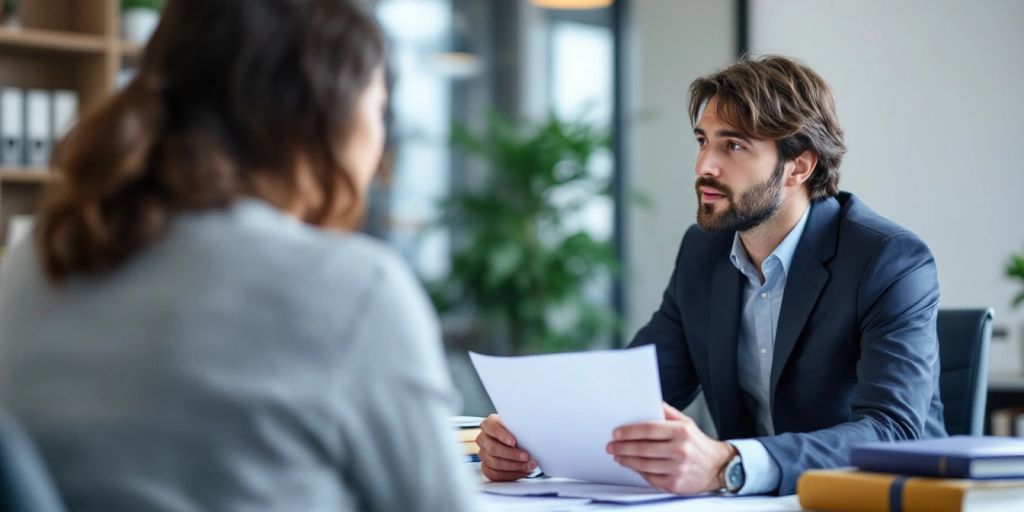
{"points": [[500, 460]]}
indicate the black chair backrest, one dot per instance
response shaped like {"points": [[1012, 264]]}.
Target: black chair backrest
{"points": [[964, 336], [25, 485]]}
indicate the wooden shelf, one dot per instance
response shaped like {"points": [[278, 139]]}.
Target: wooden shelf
{"points": [[26, 175], [57, 41], [72, 45], [130, 50]]}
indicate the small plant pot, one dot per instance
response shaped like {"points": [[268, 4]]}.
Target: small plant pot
{"points": [[138, 24]]}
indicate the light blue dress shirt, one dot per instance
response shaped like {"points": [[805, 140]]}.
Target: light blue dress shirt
{"points": [[761, 305]]}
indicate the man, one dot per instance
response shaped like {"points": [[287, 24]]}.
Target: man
{"points": [[807, 320]]}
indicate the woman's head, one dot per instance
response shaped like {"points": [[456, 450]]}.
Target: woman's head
{"points": [[277, 99]]}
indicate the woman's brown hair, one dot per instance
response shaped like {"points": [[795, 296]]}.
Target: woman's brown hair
{"points": [[776, 98], [232, 98]]}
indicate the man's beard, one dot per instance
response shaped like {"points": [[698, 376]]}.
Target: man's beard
{"points": [[754, 206]]}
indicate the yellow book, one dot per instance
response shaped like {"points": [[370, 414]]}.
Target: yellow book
{"points": [[848, 490], [470, 448], [467, 435]]}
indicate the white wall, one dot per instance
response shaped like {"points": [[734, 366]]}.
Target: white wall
{"points": [[671, 43], [929, 94]]}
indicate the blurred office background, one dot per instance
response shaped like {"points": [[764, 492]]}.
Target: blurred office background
{"points": [[928, 93]]}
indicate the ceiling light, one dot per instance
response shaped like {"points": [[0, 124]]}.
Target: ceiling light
{"points": [[572, 4]]}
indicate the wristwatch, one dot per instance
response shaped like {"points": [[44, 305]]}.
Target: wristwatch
{"points": [[733, 476]]}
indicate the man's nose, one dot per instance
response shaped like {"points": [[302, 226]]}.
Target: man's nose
{"points": [[706, 165]]}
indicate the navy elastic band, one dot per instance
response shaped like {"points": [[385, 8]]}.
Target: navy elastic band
{"points": [[896, 494]]}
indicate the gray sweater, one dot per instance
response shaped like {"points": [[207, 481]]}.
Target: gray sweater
{"points": [[244, 362]]}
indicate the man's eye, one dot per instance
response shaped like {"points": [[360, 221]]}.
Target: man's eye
{"points": [[701, 141], [734, 146]]}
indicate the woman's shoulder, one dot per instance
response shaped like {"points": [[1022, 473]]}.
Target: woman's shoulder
{"points": [[331, 261], [253, 231]]}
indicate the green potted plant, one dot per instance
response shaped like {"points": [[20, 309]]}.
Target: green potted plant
{"points": [[139, 19], [9, 13], [1015, 270], [517, 263]]}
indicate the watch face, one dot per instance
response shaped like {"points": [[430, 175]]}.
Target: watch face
{"points": [[734, 476]]}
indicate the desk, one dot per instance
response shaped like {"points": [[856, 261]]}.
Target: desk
{"points": [[790, 503]]}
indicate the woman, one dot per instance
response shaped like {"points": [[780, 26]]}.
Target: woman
{"points": [[194, 327]]}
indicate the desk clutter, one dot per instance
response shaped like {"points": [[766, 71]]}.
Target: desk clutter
{"points": [[467, 428], [957, 474]]}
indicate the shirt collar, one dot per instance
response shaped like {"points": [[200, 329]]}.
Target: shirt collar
{"points": [[783, 252]]}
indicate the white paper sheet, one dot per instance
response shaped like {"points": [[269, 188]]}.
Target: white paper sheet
{"points": [[502, 503], [712, 504], [562, 408], [613, 497], [567, 488]]}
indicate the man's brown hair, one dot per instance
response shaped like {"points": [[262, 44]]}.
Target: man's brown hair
{"points": [[777, 98]]}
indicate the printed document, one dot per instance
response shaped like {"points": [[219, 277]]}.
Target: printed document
{"points": [[562, 408]]}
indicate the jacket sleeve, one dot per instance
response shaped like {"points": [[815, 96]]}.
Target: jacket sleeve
{"points": [[679, 383], [897, 372]]}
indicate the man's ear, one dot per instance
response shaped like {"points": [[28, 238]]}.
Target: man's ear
{"points": [[800, 168]]}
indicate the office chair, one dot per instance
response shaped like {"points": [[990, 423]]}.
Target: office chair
{"points": [[25, 485], [964, 336]]}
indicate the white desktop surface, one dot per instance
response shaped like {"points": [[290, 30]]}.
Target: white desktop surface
{"points": [[711, 504]]}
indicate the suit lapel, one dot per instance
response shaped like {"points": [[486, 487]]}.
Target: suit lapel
{"points": [[805, 282], [722, 336]]}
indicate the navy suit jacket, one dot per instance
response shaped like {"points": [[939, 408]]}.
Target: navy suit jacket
{"points": [[856, 351]]}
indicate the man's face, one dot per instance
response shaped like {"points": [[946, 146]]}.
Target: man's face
{"points": [[739, 179]]}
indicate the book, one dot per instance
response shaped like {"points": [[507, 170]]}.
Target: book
{"points": [[848, 490], [38, 134], [470, 448], [1008, 421], [65, 111], [956, 457], [12, 126], [466, 430], [18, 228], [468, 435], [465, 421]]}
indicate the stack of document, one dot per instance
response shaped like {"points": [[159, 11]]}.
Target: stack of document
{"points": [[467, 428], [557, 495], [567, 488]]}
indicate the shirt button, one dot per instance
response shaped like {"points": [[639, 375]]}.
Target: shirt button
{"points": [[764, 351], [764, 295]]}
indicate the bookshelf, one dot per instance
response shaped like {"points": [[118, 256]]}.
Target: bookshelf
{"points": [[1005, 392], [60, 44]]}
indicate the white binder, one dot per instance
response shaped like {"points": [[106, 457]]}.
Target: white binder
{"points": [[65, 112], [12, 126], [38, 133], [19, 227]]}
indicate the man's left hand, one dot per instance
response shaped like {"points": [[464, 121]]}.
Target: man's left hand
{"points": [[673, 454]]}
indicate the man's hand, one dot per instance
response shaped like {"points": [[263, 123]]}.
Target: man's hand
{"points": [[500, 460], [673, 455]]}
